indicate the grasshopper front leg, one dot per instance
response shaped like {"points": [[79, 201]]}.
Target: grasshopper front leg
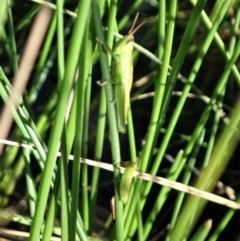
{"points": [[106, 47]]}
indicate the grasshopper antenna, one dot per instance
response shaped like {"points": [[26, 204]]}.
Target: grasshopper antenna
{"points": [[133, 30]]}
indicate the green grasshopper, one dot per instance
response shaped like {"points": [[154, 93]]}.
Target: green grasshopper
{"points": [[126, 181], [122, 74]]}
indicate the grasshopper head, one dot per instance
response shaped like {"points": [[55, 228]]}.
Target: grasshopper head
{"points": [[129, 38]]}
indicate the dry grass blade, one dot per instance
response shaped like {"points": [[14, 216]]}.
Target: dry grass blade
{"points": [[148, 177]]}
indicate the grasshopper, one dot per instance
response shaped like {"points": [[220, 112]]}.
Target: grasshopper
{"points": [[126, 181], [122, 74]]}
